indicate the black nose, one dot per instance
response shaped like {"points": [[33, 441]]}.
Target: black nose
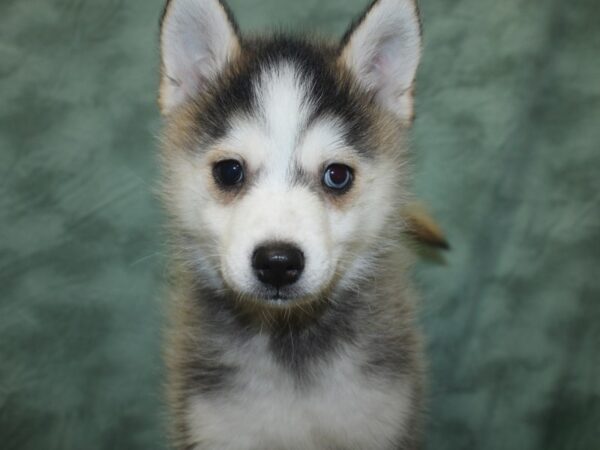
{"points": [[278, 264]]}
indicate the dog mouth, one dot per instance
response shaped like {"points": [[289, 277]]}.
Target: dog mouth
{"points": [[281, 295], [272, 296]]}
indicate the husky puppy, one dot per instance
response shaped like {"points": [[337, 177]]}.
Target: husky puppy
{"points": [[285, 168]]}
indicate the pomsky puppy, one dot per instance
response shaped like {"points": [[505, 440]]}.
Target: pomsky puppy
{"points": [[285, 171]]}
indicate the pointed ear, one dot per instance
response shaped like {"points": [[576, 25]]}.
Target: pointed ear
{"points": [[383, 50], [198, 38]]}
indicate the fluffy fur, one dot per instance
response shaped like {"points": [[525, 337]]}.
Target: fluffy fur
{"points": [[334, 360]]}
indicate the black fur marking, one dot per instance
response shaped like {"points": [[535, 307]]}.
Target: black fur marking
{"points": [[296, 344], [207, 376], [228, 98], [329, 94]]}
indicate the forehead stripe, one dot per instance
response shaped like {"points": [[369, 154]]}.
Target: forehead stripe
{"points": [[327, 93]]}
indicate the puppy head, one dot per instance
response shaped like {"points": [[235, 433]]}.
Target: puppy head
{"points": [[284, 158]]}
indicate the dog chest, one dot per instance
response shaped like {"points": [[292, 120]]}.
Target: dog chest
{"points": [[340, 408]]}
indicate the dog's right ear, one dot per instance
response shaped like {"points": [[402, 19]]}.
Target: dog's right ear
{"points": [[197, 39]]}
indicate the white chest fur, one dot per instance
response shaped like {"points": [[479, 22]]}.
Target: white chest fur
{"points": [[265, 409]]}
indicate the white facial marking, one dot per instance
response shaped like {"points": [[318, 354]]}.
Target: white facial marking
{"points": [[287, 214], [274, 209]]}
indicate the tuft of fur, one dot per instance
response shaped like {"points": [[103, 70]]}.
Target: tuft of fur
{"points": [[336, 363], [422, 227]]}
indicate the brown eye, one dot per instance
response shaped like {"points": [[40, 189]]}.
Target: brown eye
{"points": [[228, 173], [338, 177]]}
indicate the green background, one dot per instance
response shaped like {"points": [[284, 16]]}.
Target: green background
{"points": [[507, 156]]}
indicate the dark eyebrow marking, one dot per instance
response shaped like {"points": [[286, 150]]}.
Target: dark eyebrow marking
{"points": [[331, 92]]}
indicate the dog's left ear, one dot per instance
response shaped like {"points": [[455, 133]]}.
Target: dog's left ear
{"points": [[383, 49]]}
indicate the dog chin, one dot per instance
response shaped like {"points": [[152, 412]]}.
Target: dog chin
{"points": [[284, 297]]}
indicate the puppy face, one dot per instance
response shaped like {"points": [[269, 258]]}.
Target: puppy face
{"points": [[284, 158]]}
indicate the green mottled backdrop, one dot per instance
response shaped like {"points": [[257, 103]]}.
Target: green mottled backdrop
{"points": [[507, 155]]}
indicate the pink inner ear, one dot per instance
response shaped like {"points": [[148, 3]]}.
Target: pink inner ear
{"points": [[379, 63], [392, 65], [192, 76], [387, 48], [384, 62], [381, 69]]}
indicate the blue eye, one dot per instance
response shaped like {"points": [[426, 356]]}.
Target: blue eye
{"points": [[228, 173], [338, 177]]}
